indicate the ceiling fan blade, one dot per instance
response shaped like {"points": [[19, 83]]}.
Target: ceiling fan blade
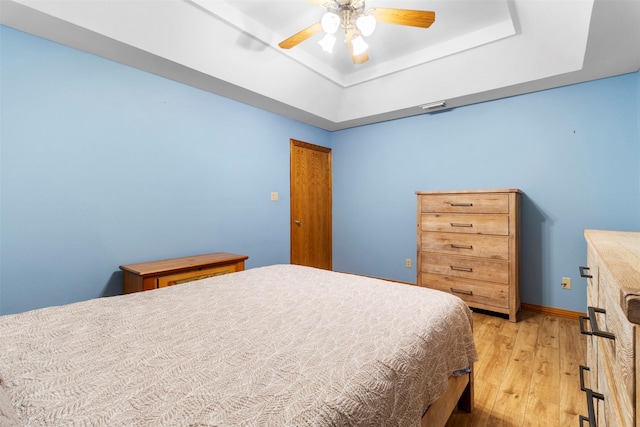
{"points": [[413, 18], [301, 36], [357, 59], [360, 59]]}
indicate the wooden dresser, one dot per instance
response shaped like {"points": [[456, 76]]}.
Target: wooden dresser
{"points": [[611, 378], [468, 245], [158, 274]]}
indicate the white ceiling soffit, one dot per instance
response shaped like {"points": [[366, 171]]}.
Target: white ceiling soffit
{"points": [[476, 50]]}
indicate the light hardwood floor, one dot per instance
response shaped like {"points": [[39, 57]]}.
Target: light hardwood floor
{"points": [[527, 374]]}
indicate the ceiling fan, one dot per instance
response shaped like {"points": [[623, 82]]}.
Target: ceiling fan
{"points": [[351, 16]]}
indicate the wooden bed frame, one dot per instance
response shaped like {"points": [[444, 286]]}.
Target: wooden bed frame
{"points": [[459, 393]]}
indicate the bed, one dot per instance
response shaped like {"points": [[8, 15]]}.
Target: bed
{"points": [[281, 345]]}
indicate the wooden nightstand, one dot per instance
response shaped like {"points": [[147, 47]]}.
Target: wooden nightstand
{"points": [[145, 276]]}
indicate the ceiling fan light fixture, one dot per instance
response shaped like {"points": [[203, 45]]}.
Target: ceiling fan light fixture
{"points": [[327, 43], [359, 45], [366, 24], [357, 22], [330, 22]]}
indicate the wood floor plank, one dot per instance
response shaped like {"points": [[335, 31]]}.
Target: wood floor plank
{"points": [[528, 330], [484, 329], [540, 413], [573, 350], [497, 344], [527, 374], [545, 382], [485, 396], [549, 331], [510, 404]]}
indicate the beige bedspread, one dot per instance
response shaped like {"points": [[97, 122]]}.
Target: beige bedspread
{"points": [[272, 346]]}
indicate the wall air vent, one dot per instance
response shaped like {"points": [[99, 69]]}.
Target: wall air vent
{"points": [[434, 106]]}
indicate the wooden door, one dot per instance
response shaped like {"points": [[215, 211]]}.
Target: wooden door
{"points": [[310, 205]]}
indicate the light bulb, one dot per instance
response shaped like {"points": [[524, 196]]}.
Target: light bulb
{"points": [[359, 45], [327, 43], [330, 22], [366, 24]]}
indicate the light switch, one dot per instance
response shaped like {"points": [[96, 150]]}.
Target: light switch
{"points": [[274, 196]]}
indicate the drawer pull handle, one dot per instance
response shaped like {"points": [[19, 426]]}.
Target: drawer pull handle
{"points": [[461, 291], [454, 246], [466, 205], [583, 419], [583, 274], [593, 322], [582, 369], [459, 224], [591, 419], [582, 329], [456, 268]]}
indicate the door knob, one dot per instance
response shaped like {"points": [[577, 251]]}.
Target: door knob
{"points": [[297, 221]]}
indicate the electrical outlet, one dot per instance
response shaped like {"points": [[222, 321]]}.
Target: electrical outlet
{"points": [[566, 283], [407, 262]]}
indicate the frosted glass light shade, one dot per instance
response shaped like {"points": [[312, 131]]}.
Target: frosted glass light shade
{"points": [[327, 43], [366, 24], [330, 22]]}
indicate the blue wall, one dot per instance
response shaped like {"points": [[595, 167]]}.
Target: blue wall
{"points": [[573, 151], [103, 165]]}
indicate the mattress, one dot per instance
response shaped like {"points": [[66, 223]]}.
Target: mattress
{"points": [[281, 345]]}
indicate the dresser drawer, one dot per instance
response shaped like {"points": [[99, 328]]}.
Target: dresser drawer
{"points": [[494, 247], [466, 203], [467, 267], [190, 276], [614, 410], [592, 282], [495, 224], [485, 294], [603, 408], [619, 355]]}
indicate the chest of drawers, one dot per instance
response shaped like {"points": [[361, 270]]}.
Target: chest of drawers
{"points": [[145, 276], [611, 378], [468, 245]]}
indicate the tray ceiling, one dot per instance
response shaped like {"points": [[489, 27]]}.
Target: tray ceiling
{"points": [[476, 50]]}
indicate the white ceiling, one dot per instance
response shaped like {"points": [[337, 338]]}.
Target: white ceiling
{"points": [[392, 47], [476, 50]]}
